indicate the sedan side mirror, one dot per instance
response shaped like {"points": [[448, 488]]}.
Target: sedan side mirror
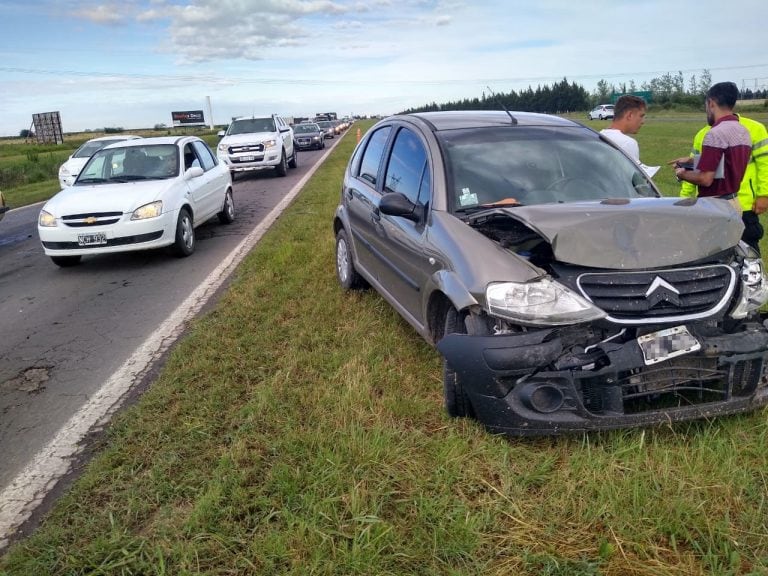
{"points": [[396, 204], [193, 172]]}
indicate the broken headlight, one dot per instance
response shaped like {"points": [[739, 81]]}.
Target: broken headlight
{"points": [[543, 302], [754, 288]]}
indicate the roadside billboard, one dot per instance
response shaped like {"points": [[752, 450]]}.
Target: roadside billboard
{"points": [[188, 118], [47, 128]]}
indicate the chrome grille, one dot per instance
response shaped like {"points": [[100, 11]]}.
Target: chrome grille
{"points": [[93, 219], [246, 148], [673, 295]]}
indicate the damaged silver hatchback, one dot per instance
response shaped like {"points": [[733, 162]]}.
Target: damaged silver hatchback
{"points": [[563, 292]]}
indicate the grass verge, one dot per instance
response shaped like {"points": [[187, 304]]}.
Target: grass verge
{"points": [[299, 430]]}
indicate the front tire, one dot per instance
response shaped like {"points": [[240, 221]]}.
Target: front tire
{"points": [[184, 243], [294, 161], [227, 214], [345, 267], [66, 261], [457, 403], [282, 168]]}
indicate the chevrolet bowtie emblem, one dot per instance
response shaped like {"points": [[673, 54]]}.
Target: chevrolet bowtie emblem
{"points": [[90, 220]]}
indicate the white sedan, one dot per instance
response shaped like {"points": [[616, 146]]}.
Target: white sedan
{"points": [[137, 195], [71, 168]]}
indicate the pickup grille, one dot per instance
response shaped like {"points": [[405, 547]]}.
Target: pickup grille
{"points": [[246, 148], [673, 295]]}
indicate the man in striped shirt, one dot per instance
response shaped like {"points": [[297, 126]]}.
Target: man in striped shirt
{"points": [[725, 151]]}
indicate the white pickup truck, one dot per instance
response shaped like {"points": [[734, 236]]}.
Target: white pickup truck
{"points": [[257, 142]]}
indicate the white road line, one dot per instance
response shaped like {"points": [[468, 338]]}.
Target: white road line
{"points": [[27, 490]]}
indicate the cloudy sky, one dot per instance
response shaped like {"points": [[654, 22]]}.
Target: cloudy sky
{"points": [[130, 63]]}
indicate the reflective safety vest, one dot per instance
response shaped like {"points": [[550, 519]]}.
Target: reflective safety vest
{"points": [[755, 181]]}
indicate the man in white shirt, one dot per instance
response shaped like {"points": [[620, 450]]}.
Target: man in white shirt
{"points": [[628, 117]]}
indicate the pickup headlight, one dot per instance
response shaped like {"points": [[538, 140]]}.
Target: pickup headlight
{"points": [[544, 302], [148, 211], [269, 143], [46, 219], [754, 288], [222, 147]]}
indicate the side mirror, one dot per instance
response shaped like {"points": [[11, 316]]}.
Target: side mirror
{"points": [[193, 172], [284, 129], [220, 133], [396, 204]]}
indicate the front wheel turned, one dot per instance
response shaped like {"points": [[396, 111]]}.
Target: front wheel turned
{"points": [[457, 403]]}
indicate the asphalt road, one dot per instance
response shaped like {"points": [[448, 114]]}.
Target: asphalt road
{"points": [[64, 332]]}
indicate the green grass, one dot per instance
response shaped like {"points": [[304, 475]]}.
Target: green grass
{"points": [[299, 430]]}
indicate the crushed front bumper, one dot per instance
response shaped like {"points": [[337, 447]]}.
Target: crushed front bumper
{"points": [[513, 388]]}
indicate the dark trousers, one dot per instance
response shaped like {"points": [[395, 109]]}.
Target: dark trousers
{"points": [[753, 230]]}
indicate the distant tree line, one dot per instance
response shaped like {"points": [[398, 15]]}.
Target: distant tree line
{"points": [[561, 97], [667, 91]]}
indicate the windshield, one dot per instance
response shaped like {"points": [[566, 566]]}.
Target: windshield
{"points": [[521, 165], [306, 128], [250, 125], [325, 124], [92, 146], [131, 163]]}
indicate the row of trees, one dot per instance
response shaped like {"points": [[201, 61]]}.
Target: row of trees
{"points": [[561, 97], [666, 91]]}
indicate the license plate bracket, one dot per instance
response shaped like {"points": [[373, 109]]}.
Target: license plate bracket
{"points": [[668, 343]]}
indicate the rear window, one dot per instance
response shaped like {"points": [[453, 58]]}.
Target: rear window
{"points": [[536, 165]]}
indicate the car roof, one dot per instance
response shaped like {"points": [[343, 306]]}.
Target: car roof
{"points": [[456, 119], [153, 141], [115, 137], [254, 117]]}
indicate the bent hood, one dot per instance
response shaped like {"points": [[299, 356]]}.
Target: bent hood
{"points": [[632, 234]]}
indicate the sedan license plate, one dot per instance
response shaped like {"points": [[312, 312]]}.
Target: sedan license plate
{"points": [[666, 344], [95, 239]]}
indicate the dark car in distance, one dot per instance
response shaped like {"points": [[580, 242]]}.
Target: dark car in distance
{"points": [[564, 293], [308, 136]]}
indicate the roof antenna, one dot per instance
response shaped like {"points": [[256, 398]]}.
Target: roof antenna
{"points": [[500, 103]]}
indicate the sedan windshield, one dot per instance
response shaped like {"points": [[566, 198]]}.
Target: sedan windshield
{"points": [[131, 163], [521, 165], [91, 147]]}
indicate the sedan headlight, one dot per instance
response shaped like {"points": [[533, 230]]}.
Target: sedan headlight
{"points": [[152, 210], [754, 288], [63, 171], [46, 219], [543, 302]]}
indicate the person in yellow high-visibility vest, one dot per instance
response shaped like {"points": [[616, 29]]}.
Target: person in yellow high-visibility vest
{"points": [[753, 192]]}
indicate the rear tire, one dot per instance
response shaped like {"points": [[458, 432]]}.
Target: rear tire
{"points": [[282, 168], [184, 244], [345, 267], [66, 261], [227, 214], [457, 403]]}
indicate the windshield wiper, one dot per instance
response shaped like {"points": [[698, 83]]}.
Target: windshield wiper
{"points": [[90, 180], [127, 178]]}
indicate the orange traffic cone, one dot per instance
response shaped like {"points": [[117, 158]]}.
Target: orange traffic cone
{"points": [[358, 134]]}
